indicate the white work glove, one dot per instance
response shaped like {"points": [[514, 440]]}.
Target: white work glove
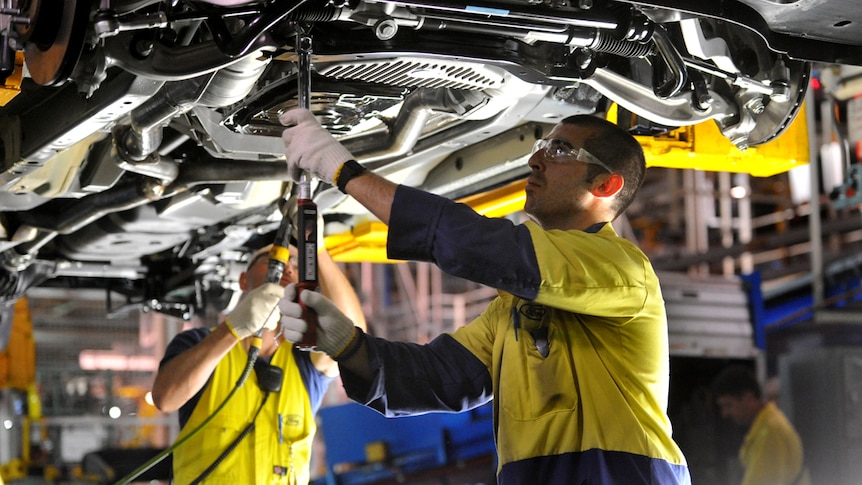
{"points": [[256, 310], [309, 147], [335, 330]]}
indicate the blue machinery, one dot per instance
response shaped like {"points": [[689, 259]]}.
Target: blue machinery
{"points": [[794, 304], [363, 446]]}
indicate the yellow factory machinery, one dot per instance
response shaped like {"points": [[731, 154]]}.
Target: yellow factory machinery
{"points": [[697, 147], [20, 406]]}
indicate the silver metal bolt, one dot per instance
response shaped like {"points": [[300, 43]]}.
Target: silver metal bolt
{"points": [[755, 105], [386, 29]]}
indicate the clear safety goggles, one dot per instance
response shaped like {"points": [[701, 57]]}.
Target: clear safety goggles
{"points": [[561, 151]]}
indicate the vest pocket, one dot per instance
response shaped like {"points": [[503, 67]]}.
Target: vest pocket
{"points": [[196, 455], [534, 386]]}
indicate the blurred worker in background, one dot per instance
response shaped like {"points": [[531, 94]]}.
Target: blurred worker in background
{"points": [[771, 452], [574, 351], [201, 366]]}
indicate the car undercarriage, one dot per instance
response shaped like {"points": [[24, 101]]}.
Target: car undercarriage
{"points": [[141, 148]]}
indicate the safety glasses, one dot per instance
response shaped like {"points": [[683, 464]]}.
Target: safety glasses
{"points": [[561, 151]]}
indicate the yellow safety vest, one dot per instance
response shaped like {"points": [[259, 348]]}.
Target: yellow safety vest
{"points": [[270, 454]]}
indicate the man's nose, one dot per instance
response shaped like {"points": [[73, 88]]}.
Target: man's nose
{"points": [[288, 276], [537, 160]]}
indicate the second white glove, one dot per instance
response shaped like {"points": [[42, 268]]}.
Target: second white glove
{"points": [[256, 310], [308, 146], [336, 330]]}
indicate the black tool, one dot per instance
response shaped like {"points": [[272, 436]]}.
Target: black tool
{"points": [[306, 208]]}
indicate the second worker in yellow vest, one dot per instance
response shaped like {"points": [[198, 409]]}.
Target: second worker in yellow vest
{"points": [[201, 366]]}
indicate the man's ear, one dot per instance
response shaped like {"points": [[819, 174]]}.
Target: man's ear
{"points": [[243, 281], [607, 185]]}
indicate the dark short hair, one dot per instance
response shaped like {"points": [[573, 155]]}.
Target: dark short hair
{"points": [[618, 149], [735, 381]]}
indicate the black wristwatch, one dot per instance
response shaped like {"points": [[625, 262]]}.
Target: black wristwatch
{"points": [[350, 169]]}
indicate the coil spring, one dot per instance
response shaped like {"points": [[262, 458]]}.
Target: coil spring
{"points": [[314, 14], [604, 42]]}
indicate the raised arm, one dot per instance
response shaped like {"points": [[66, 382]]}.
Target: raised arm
{"points": [[187, 372]]}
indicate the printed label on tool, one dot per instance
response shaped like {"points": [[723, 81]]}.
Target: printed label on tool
{"points": [[310, 261]]}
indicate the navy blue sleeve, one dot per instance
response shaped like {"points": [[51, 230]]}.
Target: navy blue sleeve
{"points": [[179, 344], [413, 379], [494, 252], [315, 382]]}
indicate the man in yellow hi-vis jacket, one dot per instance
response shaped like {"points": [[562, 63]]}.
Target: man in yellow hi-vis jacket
{"points": [[771, 452], [201, 366]]}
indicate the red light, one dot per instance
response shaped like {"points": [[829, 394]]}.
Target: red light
{"points": [[815, 84]]}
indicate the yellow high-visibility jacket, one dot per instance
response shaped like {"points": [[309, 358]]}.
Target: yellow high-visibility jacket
{"points": [[270, 454]]}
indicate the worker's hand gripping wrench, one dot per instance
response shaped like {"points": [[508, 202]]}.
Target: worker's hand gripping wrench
{"points": [[306, 214]]}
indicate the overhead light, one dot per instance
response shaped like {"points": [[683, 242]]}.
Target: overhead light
{"points": [[738, 192], [116, 361]]}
